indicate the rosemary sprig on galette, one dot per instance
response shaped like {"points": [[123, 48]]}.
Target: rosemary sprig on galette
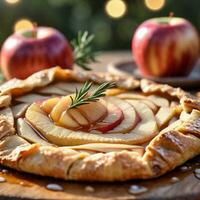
{"points": [[82, 96]]}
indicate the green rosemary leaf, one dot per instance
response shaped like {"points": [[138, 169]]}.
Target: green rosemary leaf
{"points": [[82, 97], [83, 53]]}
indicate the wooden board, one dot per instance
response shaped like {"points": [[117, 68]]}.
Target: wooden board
{"points": [[34, 187], [129, 67]]}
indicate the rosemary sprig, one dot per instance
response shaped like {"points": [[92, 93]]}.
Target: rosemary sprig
{"points": [[83, 53], [81, 96]]}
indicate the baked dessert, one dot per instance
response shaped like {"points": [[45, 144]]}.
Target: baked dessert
{"points": [[139, 129]]}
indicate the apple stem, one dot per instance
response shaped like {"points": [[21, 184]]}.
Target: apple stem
{"points": [[34, 31]]}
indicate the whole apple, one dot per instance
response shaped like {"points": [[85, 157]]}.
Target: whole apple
{"points": [[29, 51], [166, 46]]}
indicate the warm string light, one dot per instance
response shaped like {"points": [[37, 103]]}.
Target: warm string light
{"points": [[116, 8], [23, 24], [12, 1], [154, 4]]}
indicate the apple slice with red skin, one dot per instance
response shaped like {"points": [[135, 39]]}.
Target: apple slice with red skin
{"points": [[131, 118], [157, 100], [143, 99], [114, 118], [150, 104], [147, 127], [94, 111]]}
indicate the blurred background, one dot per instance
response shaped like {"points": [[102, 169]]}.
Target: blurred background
{"points": [[112, 21]]}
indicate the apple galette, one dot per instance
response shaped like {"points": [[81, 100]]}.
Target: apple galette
{"points": [[96, 126]]}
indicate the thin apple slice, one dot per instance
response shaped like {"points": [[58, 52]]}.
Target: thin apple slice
{"points": [[130, 116], [67, 121], [159, 101], [130, 95], [29, 98], [100, 147], [49, 104], [7, 112], [136, 96], [144, 99], [53, 90], [94, 111], [150, 104], [114, 118], [147, 127], [78, 117], [164, 115], [20, 109], [59, 108], [26, 132], [114, 91]]}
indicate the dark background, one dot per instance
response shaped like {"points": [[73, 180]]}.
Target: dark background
{"points": [[70, 16]]}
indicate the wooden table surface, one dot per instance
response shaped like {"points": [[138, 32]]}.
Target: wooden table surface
{"points": [[26, 186]]}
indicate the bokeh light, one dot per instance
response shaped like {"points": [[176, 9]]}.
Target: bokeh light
{"points": [[116, 8], [12, 1], [154, 4], [23, 24]]}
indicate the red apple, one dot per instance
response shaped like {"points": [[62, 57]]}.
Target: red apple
{"points": [[29, 51], [166, 46]]}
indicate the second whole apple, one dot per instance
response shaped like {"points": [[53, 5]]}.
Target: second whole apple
{"points": [[166, 46]]}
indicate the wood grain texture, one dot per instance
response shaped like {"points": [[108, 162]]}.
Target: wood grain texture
{"points": [[160, 188], [34, 187]]}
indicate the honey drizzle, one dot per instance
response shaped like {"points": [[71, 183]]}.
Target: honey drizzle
{"points": [[15, 178]]}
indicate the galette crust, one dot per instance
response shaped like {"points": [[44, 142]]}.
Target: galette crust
{"points": [[169, 149]]}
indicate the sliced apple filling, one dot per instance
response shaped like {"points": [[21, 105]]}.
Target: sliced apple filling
{"points": [[127, 118], [122, 116], [82, 117]]}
